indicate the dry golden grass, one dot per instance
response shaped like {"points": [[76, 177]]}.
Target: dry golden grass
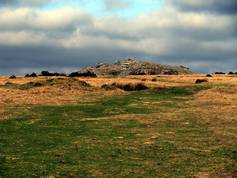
{"points": [[54, 95], [46, 95], [50, 95], [163, 80], [218, 101], [20, 80]]}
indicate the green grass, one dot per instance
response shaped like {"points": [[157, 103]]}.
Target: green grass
{"points": [[83, 140]]}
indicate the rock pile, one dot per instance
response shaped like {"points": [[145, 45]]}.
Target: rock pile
{"points": [[135, 67]]}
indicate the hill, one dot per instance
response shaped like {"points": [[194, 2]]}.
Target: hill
{"points": [[134, 67]]}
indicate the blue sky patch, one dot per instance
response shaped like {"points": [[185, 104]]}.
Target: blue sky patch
{"points": [[99, 7]]}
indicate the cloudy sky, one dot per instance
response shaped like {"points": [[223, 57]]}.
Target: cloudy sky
{"points": [[65, 35]]}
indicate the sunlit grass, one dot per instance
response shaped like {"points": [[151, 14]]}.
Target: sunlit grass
{"points": [[141, 134]]}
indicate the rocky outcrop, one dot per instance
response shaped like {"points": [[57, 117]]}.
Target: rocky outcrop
{"points": [[135, 67]]}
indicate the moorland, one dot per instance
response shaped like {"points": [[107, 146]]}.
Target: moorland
{"points": [[126, 126]]}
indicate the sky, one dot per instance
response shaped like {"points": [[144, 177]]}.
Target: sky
{"points": [[64, 35]]}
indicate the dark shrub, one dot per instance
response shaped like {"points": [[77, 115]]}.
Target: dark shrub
{"points": [[231, 73], [33, 75], [140, 86], [201, 81], [49, 74], [12, 77], [143, 79], [208, 75], [220, 73], [74, 74], [45, 73], [27, 75], [59, 74], [154, 79], [82, 74], [130, 86]]}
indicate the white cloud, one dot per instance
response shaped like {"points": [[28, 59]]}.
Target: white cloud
{"points": [[22, 38], [32, 19], [170, 34]]}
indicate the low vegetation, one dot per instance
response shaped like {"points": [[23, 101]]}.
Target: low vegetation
{"points": [[60, 82], [154, 79], [169, 131], [198, 81], [130, 86]]}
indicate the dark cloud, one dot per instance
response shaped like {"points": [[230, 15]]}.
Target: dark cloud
{"points": [[45, 58], [36, 58], [15, 3], [213, 6]]}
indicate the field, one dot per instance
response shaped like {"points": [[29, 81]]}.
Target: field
{"points": [[61, 127]]}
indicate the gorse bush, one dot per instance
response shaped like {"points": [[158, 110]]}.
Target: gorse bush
{"points": [[130, 86]]}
